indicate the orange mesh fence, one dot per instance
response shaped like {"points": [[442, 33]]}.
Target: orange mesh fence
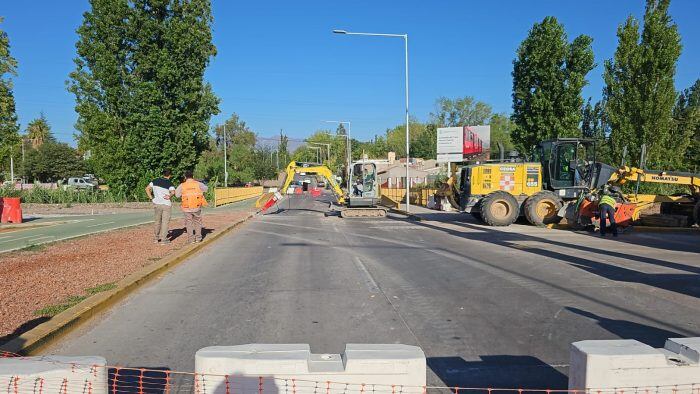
{"points": [[123, 380]]}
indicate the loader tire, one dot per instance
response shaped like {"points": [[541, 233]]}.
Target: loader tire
{"points": [[696, 212], [542, 208], [499, 209]]}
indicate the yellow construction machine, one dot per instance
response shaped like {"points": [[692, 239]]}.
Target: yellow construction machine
{"points": [[362, 201], [564, 174]]}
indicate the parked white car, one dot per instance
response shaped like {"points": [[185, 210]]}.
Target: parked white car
{"points": [[78, 183]]}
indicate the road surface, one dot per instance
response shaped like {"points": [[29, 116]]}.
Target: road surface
{"points": [[490, 307], [52, 229]]}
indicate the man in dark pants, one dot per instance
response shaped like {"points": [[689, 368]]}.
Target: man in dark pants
{"points": [[606, 205]]}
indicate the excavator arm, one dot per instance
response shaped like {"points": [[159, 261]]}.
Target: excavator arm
{"points": [[294, 168], [632, 174]]}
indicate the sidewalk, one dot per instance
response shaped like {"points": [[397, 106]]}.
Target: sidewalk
{"points": [[43, 280]]}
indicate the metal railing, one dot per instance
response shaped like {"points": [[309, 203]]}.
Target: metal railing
{"points": [[228, 195]]}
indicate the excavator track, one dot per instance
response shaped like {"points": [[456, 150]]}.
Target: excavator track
{"points": [[363, 212]]}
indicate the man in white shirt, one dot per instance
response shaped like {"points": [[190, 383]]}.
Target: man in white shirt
{"points": [[160, 191]]}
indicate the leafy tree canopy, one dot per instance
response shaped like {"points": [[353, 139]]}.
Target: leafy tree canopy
{"points": [[9, 129], [640, 92], [141, 99], [52, 162], [548, 76], [461, 111], [39, 131]]}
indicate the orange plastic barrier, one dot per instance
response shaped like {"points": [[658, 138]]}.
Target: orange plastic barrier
{"points": [[11, 208]]}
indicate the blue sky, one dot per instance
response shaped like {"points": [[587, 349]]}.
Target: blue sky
{"points": [[279, 67]]}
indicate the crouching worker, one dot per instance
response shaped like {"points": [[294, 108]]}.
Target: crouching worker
{"points": [[191, 191], [606, 205]]}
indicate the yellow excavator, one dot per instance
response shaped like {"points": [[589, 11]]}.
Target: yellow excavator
{"points": [[361, 201]]}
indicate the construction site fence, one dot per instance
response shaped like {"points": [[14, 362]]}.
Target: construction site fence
{"points": [[416, 197], [228, 195], [106, 379]]}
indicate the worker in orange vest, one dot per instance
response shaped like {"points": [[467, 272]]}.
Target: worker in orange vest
{"points": [[191, 191]]}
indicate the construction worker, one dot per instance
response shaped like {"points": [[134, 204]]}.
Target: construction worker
{"points": [[191, 192], [606, 205], [159, 192]]}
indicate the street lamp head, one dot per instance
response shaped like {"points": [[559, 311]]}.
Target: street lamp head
{"points": [[338, 31]]}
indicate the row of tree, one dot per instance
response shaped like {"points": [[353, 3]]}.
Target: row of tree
{"points": [[143, 104], [639, 105]]}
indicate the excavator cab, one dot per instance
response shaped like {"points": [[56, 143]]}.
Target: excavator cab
{"points": [[364, 189], [569, 166]]}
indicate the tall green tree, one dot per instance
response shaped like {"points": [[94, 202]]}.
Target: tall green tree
{"points": [[461, 111], [686, 113], [9, 128], [595, 126], [142, 102], [283, 150], [396, 136], [425, 145], [640, 92], [39, 131], [548, 76], [52, 162]]}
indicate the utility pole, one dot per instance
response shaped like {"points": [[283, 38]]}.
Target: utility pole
{"points": [[24, 171]]}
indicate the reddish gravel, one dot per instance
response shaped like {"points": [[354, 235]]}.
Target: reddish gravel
{"points": [[31, 280]]}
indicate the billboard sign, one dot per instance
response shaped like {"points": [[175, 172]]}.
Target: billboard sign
{"points": [[456, 144], [449, 143]]}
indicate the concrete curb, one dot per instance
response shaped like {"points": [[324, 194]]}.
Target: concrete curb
{"points": [[44, 334], [638, 229]]}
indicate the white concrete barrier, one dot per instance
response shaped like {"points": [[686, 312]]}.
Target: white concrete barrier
{"points": [[293, 369], [53, 374], [629, 365]]}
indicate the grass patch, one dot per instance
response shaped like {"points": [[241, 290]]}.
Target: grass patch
{"points": [[100, 288], [53, 310]]}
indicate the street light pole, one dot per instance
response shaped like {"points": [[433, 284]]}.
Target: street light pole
{"points": [[405, 39], [328, 146]]}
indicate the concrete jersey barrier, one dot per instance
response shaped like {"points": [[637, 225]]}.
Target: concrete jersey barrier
{"points": [[272, 369], [53, 374], [630, 365]]}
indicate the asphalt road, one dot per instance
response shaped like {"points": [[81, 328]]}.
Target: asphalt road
{"points": [[490, 307], [52, 229]]}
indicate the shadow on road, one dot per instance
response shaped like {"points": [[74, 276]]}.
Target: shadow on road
{"points": [[688, 284], [624, 329], [498, 371], [22, 329]]}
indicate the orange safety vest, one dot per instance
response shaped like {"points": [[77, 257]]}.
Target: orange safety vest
{"points": [[192, 196]]}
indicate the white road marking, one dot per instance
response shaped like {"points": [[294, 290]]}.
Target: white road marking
{"points": [[99, 224], [369, 280], [38, 238], [20, 238]]}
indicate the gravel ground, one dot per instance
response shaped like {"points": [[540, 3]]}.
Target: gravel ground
{"points": [[33, 279]]}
